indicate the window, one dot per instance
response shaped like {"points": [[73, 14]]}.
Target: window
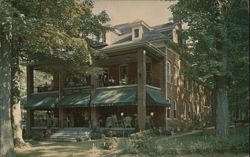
{"points": [[174, 109], [149, 73], [174, 79], [169, 74], [136, 33], [186, 83], [168, 110], [186, 110], [123, 70]]}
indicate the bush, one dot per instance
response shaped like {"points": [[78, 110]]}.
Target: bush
{"points": [[110, 143], [96, 134], [141, 142], [82, 136], [37, 135]]}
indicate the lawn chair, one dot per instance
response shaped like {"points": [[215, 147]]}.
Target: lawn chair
{"points": [[127, 122], [109, 122]]}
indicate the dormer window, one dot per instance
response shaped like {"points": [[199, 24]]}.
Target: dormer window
{"points": [[136, 33]]}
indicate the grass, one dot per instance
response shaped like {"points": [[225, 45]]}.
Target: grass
{"points": [[195, 145], [204, 142]]}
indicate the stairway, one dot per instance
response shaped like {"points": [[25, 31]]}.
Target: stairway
{"points": [[69, 134]]}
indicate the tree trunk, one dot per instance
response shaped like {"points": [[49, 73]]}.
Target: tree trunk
{"points": [[6, 142], [16, 116], [222, 107]]}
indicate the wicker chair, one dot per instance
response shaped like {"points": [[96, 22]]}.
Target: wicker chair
{"points": [[127, 122]]}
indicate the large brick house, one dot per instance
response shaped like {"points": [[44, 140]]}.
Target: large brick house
{"points": [[141, 86]]}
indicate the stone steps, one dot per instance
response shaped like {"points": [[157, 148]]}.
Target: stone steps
{"points": [[69, 134]]}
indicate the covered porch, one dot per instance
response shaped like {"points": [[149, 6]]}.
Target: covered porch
{"points": [[117, 107]]}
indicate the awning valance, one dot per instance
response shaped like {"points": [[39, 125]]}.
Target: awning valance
{"points": [[39, 101], [114, 97], [74, 100]]}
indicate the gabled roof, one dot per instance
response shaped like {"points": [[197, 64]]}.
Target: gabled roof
{"points": [[153, 33], [164, 26]]}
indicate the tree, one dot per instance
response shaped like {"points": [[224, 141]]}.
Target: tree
{"points": [[50, 32], [217, 47], [6, 141]]}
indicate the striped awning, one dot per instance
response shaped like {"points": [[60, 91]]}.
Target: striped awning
{"points": [[41, 101], [74, 100]]}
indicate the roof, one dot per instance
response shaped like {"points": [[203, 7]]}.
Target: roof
{"points": [[154, 33], [164, 26], [151, 49]]}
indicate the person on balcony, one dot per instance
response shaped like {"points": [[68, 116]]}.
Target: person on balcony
{"points": [[111, 81]]}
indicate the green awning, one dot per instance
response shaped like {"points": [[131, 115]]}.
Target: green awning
{"points": [[74, 100], [40, 101], [155, 97], [114, 97]]}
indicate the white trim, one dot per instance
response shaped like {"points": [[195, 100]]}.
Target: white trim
{"points": [[153, 87]]}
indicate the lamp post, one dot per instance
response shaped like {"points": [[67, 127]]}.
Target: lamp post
{"points": [[122, 114]]}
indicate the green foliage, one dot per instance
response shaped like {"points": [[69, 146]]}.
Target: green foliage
{"points": [[96, 134], [217, 45], [110, 143], [207, 142], [212, 27], [53, 33], [140, 142]]}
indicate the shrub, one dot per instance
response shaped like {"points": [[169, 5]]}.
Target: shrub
{"points": [[110, 143], [141, 142], [96, 134]]}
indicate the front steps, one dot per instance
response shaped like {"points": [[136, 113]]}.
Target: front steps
{"points": [[69, 134]]}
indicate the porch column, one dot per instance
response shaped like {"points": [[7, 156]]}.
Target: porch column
{"points": [[30, 120], [93, 114], [30, 80], [60, 86], [30, 90], [141, 89]]}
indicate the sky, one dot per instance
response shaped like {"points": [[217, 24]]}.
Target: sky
{"points": [[153, 12]]}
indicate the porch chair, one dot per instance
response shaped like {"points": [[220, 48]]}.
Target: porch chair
{"points": [[115, 121], [108, 123], [127, 122]]}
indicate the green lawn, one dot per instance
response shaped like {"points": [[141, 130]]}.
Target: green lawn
{"points": [[196, 145]]}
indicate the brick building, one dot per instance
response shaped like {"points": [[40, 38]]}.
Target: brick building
{"points": [[141, 86]]}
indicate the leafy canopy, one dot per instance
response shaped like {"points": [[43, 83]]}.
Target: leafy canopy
{"points": [[53, 33]]}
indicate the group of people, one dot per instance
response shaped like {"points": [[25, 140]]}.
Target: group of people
{"points": [[71, 82], [105, 81]]}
